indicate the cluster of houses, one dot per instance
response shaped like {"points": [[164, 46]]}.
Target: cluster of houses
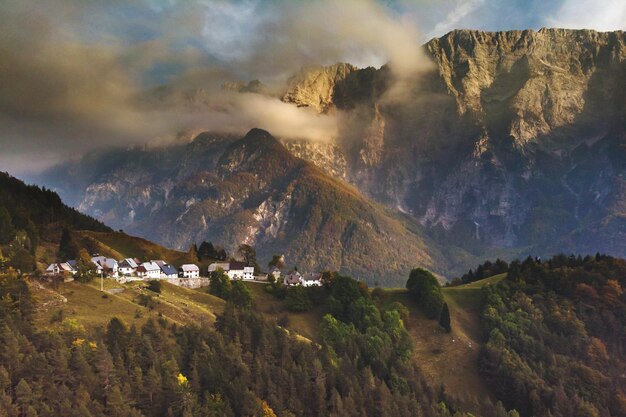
{"points": [[130, 269], [238, 270], [187, 275]]}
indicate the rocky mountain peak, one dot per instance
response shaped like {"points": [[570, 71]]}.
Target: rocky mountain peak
{"points": [[525, 84], [314, 86]]}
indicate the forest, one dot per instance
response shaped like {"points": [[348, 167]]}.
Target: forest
{"points": [[556, 337], [244, 365]]}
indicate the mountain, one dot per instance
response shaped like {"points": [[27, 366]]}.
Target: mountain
{"points": [[513, 143], [253, 190], [513, 140]]}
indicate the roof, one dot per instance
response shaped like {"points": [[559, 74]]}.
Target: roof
{"points": [[66, 266], [61, 266], [98, 259], [189, 268], [159, 262], [128, 262], [109, 263], [293, 277], [169, 270], [236, 265], [150, 266], [312, 276]]}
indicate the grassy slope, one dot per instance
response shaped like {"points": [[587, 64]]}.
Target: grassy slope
{"points": [[450, 359], [120, 245], [86, 304]]}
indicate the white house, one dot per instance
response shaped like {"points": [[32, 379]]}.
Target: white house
{"points": [[104, 265], [60, 268], [127, 267], [189, 271], [239, 270], [311, 279], [293, 278], [149, 270]]}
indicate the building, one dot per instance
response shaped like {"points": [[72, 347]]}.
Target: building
{"points": [[167, 270], [127, 267], [293, 278], [239, 270], [311, 279], [60, 268], [234, 270], [149, 270], [189, 271], [106, 266]]}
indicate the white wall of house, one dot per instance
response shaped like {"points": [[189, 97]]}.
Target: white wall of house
{"points": [[126, 270], [191, 274]]}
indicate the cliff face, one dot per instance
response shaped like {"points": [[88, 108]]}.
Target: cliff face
{"points": [[506, 143], [313, 87]]}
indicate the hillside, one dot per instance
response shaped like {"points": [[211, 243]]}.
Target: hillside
{"points": [[555, 344], [43, 208], [545, 339], [118, 245], [244, 364], [31, 223]]}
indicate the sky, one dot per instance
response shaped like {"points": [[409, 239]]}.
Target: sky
{"points": [[77, 75]]}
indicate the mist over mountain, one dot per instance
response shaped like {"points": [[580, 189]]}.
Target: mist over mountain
{"points": [[512, 143]]}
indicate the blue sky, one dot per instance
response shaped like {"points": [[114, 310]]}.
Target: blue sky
{"points": [[78, 66]]}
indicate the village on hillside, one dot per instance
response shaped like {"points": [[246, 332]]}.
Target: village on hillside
{"points": [[186, 275]]}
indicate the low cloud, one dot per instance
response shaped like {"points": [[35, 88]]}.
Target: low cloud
{"points": [[75, 74]]}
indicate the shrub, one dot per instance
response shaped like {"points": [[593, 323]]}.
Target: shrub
{"points": [[154, 286], [147, 301], [297, 299], [426, 291]]}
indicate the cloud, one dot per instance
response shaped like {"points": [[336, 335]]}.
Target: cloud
{"points": [[602, 15], [75, 74], [460, 11], [278, 38]]}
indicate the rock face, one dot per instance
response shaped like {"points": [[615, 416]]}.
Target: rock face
{"points": [[313, 87], [514, 144], [509, 142]]}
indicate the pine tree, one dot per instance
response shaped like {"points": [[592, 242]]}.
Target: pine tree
{"points": [[444, 318], [67, 247], [7, 231]]}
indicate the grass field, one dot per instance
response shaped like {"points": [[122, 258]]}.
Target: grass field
{"points": [[93, 308], [120, 245], [450, 359]]}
